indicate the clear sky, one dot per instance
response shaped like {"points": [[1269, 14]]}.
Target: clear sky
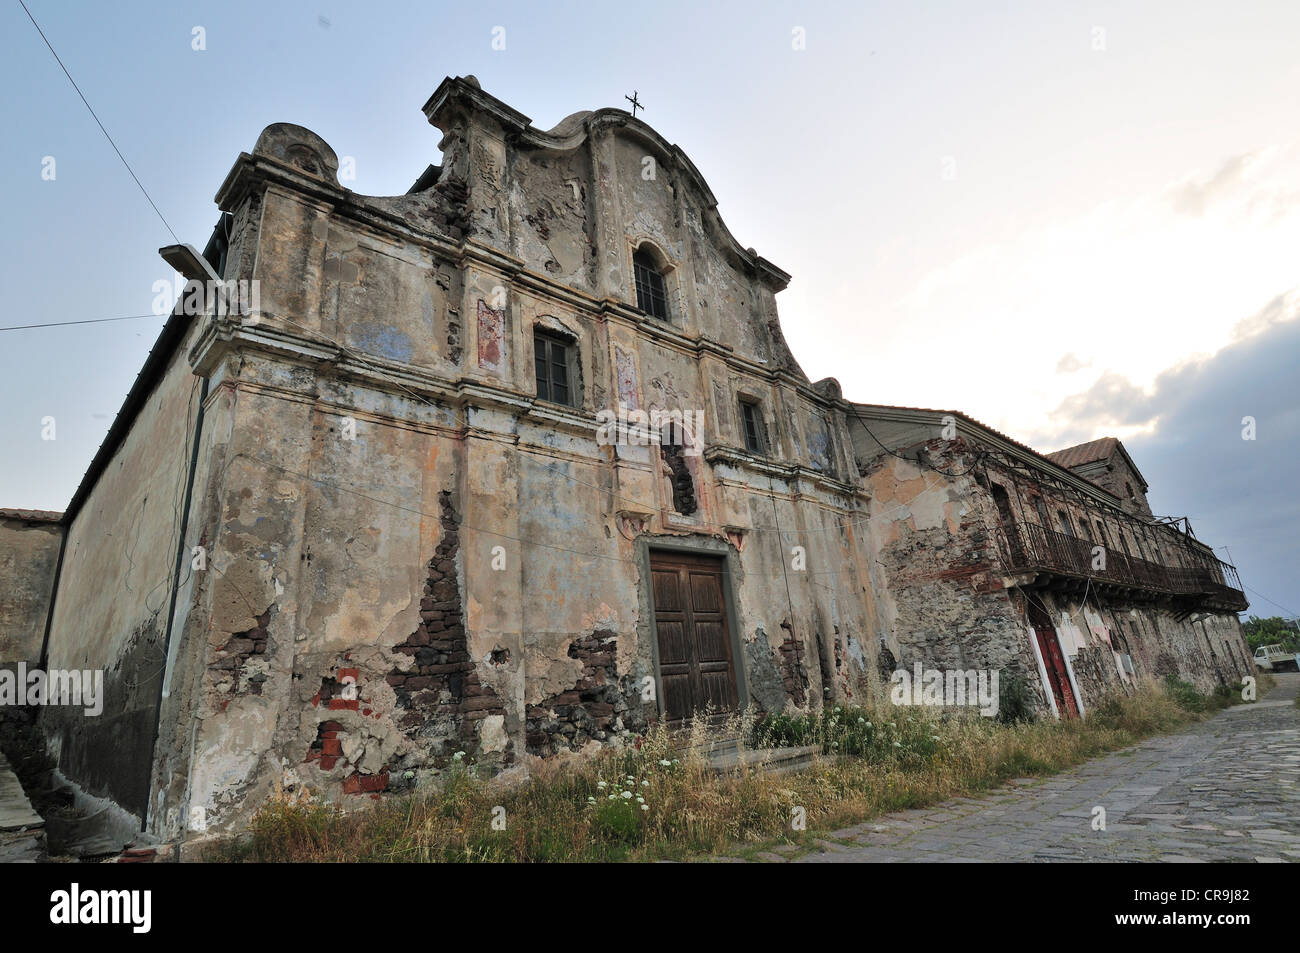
{"points": [[1065, 219]]}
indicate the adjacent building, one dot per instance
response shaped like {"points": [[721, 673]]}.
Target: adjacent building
{"points": [[994, 556]]}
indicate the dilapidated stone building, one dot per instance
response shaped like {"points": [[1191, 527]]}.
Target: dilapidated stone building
{"points": [[992, 556], [518, 463]]}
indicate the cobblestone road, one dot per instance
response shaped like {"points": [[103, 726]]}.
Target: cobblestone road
{"points": [[1222, 790]]}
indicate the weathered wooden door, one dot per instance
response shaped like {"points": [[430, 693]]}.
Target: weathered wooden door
{"points": [[696, 668], [1049, 645]]}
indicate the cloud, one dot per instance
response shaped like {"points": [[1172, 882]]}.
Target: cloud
{"points": [[1256, 187], [1112, 401], [1281, 309], [1242, 494], [1192, 196], [1069, 363], [1127, 282]]}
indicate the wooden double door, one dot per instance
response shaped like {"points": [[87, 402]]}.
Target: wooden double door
{"points": [[696, 665]]}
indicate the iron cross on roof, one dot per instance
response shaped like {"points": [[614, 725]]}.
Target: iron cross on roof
{"points": [[635, 103]]}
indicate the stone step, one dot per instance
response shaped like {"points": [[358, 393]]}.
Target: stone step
{"points": [[713, 745], [769, 760]]}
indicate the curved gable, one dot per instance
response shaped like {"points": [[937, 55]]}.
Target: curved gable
{"points": [[575, 202]]}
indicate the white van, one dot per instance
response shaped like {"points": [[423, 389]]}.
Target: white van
{"points": [[1275, 658]]}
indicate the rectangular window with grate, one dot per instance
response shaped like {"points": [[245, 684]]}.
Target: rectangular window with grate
{"points": [[553, 357]]}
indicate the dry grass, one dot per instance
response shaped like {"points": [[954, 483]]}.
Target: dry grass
{"points": [[906, 758]]}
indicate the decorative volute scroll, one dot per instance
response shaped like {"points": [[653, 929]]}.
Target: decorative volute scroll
{"points": [[301, 148]]}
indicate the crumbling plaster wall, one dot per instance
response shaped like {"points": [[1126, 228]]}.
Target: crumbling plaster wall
{"points": [[1094, 634], [940, 565], [550, 208], [640, 193], [321, 576], [113, 595], [29, 553], [466, 561], [1085, 632], [329, 520], [942, 597]]}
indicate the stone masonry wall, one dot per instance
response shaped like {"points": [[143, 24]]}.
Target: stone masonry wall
{"points": [[444, 699]]}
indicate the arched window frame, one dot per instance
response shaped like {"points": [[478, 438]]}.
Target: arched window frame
{"points": [[652, 288]]}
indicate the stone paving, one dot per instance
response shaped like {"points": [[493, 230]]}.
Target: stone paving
{"points": [[1224, 789], [22, 836]]}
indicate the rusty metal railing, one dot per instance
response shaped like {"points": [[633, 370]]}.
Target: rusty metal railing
{"points": [[1031, 547]]}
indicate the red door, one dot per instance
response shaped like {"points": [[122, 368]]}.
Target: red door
{"points": [[1049, 645]]}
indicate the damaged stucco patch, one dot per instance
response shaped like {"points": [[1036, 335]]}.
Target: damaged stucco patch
{"points": [[593, 708], [248, 591], [444, 703], [241, 664], [232, 743]]}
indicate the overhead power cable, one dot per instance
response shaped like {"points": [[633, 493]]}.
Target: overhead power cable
{"points": [[97, 122], [59, 324]]}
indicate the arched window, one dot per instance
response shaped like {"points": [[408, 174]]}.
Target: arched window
{"points": [[1066, 527], [651, 292], [1008, 519]]}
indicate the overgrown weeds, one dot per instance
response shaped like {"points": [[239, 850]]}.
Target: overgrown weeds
{"points": [[662, 798]]}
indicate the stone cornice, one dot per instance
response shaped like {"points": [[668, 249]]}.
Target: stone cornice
{"points": [[791, 474], [222, 336]]}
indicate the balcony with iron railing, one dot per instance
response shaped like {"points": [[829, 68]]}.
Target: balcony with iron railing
{"points": [[1208, 583]]}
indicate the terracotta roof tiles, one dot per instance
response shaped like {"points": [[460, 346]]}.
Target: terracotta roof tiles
{"points": [[1078, 455]]}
